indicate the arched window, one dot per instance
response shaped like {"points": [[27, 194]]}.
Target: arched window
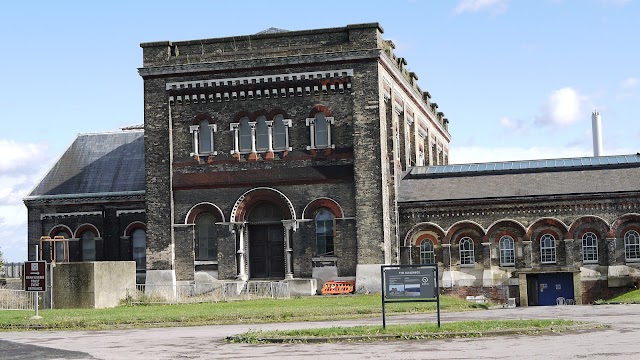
{"points": [[427, 256], [203, 138], [322, 130], [246, 140], [60, 254], [632, 245], [589, 248], [547, 249], [207, 241], [324, 233], [262, 134], [507, 251], [467, 256], [280, 136], [88, 245], [139, 244]]}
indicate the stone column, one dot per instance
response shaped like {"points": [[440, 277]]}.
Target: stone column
{"points": [[486, 255], [527, 254], [446, 255], [288, 250], [240, 253], [569, 252], [611, 251]]}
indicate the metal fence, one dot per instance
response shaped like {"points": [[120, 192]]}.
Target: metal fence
{"points": [[16, 299], [12, 270], [210, 292]]}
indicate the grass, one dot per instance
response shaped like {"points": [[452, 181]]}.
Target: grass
{"points": [[408, 331], [631, 297], [248, 311]]}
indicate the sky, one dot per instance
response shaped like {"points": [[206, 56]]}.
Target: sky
{"points": [[516, 79]]}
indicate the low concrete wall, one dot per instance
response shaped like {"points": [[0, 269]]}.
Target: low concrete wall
{"points": [[99, 284]]}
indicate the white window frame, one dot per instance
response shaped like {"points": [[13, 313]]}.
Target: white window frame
{"points": [[195, 133], [547, 252], [632, 246], [235, 131], [311, 123], [467, 252], [590, 242], [427, 253], [507, 253]]}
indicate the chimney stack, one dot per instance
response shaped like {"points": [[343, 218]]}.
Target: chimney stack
{"points": [[596, 129]]}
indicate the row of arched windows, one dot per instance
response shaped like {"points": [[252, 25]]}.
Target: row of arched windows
{"points": [[262, 135], [548, 255], [87, 236]]}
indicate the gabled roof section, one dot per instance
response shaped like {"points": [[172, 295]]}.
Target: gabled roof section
{"points": [[97, 164], [595, 175]]}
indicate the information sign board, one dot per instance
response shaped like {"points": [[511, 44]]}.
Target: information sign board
{"points": [[35, 276], [414, 283]]}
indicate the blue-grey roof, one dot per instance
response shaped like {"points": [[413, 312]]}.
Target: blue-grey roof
{"points": [[97, 163], [596, 175], [525, 165]]}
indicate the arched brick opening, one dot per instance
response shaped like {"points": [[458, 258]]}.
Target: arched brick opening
{"points": [[618, 226], [427, 227], [86, 227], [316, 204], [203, 116], [252, 197], [504, 227], [559, 226], [589, 223], [197, 210], [133, 227], [320, 108], [465, 228], [56, 230]]}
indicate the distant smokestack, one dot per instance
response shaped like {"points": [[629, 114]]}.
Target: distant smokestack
{"points": [[596, 129]]}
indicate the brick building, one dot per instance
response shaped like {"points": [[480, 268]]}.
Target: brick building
{"points": [[281, 156], [530, 230]]}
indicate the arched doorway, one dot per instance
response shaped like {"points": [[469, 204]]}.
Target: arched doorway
{"points": [[266, 241]]}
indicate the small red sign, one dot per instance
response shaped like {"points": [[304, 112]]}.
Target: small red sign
{"points": [[35, 276]]}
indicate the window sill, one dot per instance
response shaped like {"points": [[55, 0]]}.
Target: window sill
{"points": [[205, 262], [508, 265], [467, 265], [590, 262], [204, 154], [632, 260], [332, 146]]}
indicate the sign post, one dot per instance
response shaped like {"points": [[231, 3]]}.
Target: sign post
{"points": [[409, 283], [35, 280]]}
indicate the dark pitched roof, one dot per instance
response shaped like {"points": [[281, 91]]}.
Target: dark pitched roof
{"points": [[596, 175], [97, 163]]}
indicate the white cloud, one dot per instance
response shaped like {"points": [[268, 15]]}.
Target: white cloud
{"points": [[496, 6], [21, 167], [562, 108], [630, 83], [514, 125]]}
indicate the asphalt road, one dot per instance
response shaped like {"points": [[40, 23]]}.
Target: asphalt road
{"points": [[620, 341]]}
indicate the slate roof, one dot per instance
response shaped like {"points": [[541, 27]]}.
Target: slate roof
{"points": [[598, 175], [97, 164]]}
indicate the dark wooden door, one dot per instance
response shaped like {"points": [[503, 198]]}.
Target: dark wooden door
{"points": [[266, 251]]}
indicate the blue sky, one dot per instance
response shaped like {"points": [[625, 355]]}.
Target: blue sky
{"points": [[517, 79]]}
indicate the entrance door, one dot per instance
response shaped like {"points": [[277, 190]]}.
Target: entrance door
{"points": [[266, 251], [551, 286]]}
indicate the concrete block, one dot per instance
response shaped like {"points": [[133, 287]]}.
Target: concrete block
{"points": [[302, 287], [324, 274], [368, 278]]}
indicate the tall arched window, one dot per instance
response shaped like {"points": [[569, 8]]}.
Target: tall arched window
{"points": [[280, 138], [88, 245], [467, 255], [205, 138], [427, 256], [61, 254], [245, 135], [207, 242], [262, 134], [547, 249], [324, 233], [507, 251], [322, 131], [632, 245], [589, 248], [139, 244]]}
